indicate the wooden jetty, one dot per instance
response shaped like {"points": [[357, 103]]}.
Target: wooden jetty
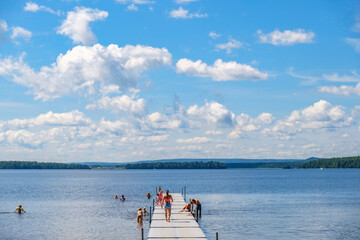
{"points": [[182, 225]]}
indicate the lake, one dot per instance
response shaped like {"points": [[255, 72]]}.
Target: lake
{"points": [[237, 203]]}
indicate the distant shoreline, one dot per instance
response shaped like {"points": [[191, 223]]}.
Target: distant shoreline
{"points": [[344, 162]]}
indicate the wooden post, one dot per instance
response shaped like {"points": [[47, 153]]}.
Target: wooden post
{"points": [[150, 215], [154, 204], [185, 193], [156, 191], [182, 191], [142, 233], [217, 236]]}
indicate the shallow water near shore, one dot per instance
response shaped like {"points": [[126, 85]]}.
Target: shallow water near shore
{"points": [[236, 203]]}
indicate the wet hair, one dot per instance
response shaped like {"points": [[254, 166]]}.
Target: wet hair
{"points": [[139, 208], [193, 200], [167, 192]]}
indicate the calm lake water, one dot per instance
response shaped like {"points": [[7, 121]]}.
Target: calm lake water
{"points": [[239, 204]]}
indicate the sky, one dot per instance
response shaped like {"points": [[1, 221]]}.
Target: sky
{"points": [[129, 80]]}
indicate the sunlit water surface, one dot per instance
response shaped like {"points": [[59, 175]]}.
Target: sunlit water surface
{"points": [[238, 204]]}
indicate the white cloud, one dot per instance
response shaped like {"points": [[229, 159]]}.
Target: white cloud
{"points": [[73, 118], [214, 113], [229, 46], [342, 90], [184, 14], [355, 43], [213, 132], [345, 78], [19, 32], [220, 71], [120, 103], [185, 1], [132, 7], [22, 137], [161, 121], [194, 140], [320, 115], [33, 7], [286, 38], [76, 25], [3, 31], [214, 35], [86, 69]]}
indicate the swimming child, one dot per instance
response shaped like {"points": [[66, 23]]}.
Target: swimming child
{"points": [[116, 197], [167, 199], [122, 198], [145, 212], [140, 215], [19, 209], [148, 195]]}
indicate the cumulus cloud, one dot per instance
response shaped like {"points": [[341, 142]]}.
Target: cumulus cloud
{"points": [[120, 103], [342, 90], [159, 121], [214, 35], [355, 43], [86, 69], [320, 115], [229, 46], [19, 32], [76, 25], [33, 7], [213, 132], [287, 37], [214, 113], [22, 137], [184, 14], [132, 7], [194, 140], [220, 71], [73, 118]]}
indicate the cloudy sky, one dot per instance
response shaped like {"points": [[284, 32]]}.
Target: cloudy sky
{"points": [[128, 80]]}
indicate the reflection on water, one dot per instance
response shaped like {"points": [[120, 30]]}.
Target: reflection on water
{"points": [[249, 204]]}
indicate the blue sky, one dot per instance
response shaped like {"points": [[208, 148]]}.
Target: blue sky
{"points": [[127, 80]]}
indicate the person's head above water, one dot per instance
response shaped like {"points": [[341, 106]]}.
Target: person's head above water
{"points": [[139, 209]]}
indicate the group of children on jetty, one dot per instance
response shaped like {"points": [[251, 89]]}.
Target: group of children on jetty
{"points": [[164, 201]]}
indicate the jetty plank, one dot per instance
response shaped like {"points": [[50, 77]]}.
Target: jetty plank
{"points": [[182, 225]]}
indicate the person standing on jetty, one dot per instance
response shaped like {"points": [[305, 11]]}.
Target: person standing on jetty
{"points": [[167, 199], [19, 209]]}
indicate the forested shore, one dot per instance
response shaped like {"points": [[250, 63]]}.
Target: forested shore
{"points": [[40, 165], [341, 162]]}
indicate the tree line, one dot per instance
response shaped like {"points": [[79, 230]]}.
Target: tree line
{"points": [[341, 162], [40, 165], [177, 165]]}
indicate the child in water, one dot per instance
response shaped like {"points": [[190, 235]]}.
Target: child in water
{"points": [[148, 195], [122, 198], [19, 209], [116, 197], [139, 216], [145, 212]]}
